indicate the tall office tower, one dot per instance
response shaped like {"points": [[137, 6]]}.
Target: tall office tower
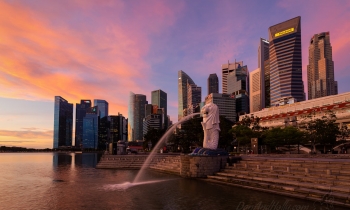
{"points": [[226, 69], [183, 79], [90, 128], [264, 66], [159, 98], [255, 99], [320, 71], [285, 61], [194, 98], [226, 104], [213, 84], [79, 116], [154, 121], [117, 128], [238, 85], [103, 132], [136, 114], [102, 107], [63, 123]]}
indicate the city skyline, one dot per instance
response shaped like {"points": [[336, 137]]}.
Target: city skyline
{"points": [[98, 50]]}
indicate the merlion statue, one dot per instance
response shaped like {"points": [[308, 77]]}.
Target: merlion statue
{"points": [[211, 126]]}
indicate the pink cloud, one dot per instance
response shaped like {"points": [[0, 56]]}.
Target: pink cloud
{"points": [[45, 54]]}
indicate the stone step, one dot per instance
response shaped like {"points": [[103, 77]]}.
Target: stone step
{"points": [[324, 196], [300, 169], [294, 183], [294, 177], [320, 175]]}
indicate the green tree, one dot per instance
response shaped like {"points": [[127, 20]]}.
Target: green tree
{"points": [[274, 137], [242, 134], [323, 131], [226, 138], [153, 136]]}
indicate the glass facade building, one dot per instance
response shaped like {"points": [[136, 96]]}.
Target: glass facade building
{"points": [[285, 61], [320, 71], [226, 69], [213, 84], [63, 123], [159, 98], [238, 87], [90, 128], [136, 112], [194, 98], [102, 107], [183, 79], [80, 113]]}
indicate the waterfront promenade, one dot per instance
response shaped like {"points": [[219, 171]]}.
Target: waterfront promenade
{"points": [[320, 178]]}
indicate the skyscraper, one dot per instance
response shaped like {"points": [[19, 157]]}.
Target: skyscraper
{"points": [[320, 71], [63, 123], [90, 128], [102, 107], [264, 65], [213, 84], [79, 116], [226, 69], [255, 95], [226, 104], [159, 98], [194, 98], [136, 114], [183, 79], [285, 61], [238, 85]]}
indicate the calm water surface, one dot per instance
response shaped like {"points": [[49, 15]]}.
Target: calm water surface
{"points": [[70, 181]]}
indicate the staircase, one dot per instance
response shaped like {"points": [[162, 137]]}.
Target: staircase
{"points": [[323, 180]]}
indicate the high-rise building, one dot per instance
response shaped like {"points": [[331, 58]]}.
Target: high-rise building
{"points": [[63, 123], [102, 107], [264, 66], [117, 128], [79, 116], [159, 98], [320, 71], [153, 121], [183, 79], [285, 61], [226, 69], [226, 104], [255, 99], [90, 128], [238, 86], [213, 84], [194, 98], [136, 114]]}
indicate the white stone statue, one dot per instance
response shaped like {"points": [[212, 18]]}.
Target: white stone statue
{"points": [[211, 126]]}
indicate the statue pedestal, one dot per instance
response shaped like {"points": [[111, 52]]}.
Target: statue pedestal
{"points": [[201, 166]]}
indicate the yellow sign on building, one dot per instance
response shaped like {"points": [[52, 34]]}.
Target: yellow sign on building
{"points": [[287, 31]]}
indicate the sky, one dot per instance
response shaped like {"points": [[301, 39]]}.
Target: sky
{"points": [[94, 49]]}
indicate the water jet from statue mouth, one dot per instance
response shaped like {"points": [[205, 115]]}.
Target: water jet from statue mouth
{"points": [[127, 185]]}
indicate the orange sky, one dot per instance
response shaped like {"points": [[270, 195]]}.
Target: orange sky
{"points": [[105, 49]]}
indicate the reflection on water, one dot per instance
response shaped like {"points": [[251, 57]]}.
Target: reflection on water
{"points": [[70, 181]]}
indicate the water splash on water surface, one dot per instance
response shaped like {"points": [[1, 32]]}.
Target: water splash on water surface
{"points": [[157, 147]]}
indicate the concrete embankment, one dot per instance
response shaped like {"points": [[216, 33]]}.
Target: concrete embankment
{"points": [[321, 178], [183, 165]]}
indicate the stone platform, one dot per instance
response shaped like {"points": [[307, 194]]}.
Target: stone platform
{"points": [[324, 179], [183, 165]]}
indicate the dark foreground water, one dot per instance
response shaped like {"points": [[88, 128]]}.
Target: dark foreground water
{"points": [[70, 181]]}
